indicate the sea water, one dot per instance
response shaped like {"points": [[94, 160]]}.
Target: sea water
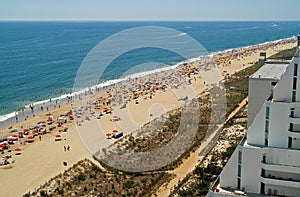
{"points": [[39, 60]]}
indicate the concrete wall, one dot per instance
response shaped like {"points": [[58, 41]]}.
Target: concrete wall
{"points": [[251, 169], [255, 133], [283, 89], [279, 124], [229, 174], [259, 90]]}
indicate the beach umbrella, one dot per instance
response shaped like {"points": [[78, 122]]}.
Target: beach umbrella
{"points": [[43, 121], [58, 135], [115, 131], [108, 135], [20, 132], [14, 135], [11, 138], [26, 129], [35, 131], [105, 109], [3, 144], [29, 137], [18, 149]]}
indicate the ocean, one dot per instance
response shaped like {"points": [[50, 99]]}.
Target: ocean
{"points": [[39, 60]]}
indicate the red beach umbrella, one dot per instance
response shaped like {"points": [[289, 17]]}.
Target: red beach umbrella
{"points": [[3, 144], [115, 131], [14, 135], [105, 109], [21, 133], [57, 135], [11, 138], [35, 131], [26, 129], [29, 137], [18, 149], [43, 121]]}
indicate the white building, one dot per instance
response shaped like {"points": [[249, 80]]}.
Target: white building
{"points": [[267, 161]]}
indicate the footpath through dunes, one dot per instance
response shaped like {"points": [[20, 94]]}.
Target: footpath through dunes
{"points": [[196, 157], [44, 159]]}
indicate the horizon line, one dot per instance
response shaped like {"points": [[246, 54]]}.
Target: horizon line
{"points": [[100, 20]]}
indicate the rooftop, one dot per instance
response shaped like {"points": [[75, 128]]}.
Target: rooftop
{"points": [[272, 69]]}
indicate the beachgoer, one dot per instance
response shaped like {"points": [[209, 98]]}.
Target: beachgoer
{"points": [[65, 148], [68, 148], [40, 137]]}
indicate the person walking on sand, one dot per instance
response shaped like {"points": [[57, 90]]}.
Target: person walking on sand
{"points": [[68, 148], [65, 148], [40, 137]]}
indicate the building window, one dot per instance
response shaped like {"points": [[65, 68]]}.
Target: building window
{"points": [[291, 127], [264, 160], [267, 112], [290, 142], [239, 170], [263, 173], [295, 69], [267, 126], [294, 96], [262, 188], [294, 83], [240, 157], [292, 112], [266, 142], [273, 83]]}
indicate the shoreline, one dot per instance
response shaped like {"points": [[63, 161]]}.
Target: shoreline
{"points": [[40, 167], [7, 119]]}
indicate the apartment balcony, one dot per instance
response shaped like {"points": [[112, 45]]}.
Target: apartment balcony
{"points": [[294, 134], [281, 168], [280, 182], [294, 119]]}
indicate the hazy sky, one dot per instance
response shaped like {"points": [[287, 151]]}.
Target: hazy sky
{"points": [[149, 10]]}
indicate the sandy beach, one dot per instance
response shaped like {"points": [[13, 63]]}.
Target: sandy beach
{"points": [[145, 99]]}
